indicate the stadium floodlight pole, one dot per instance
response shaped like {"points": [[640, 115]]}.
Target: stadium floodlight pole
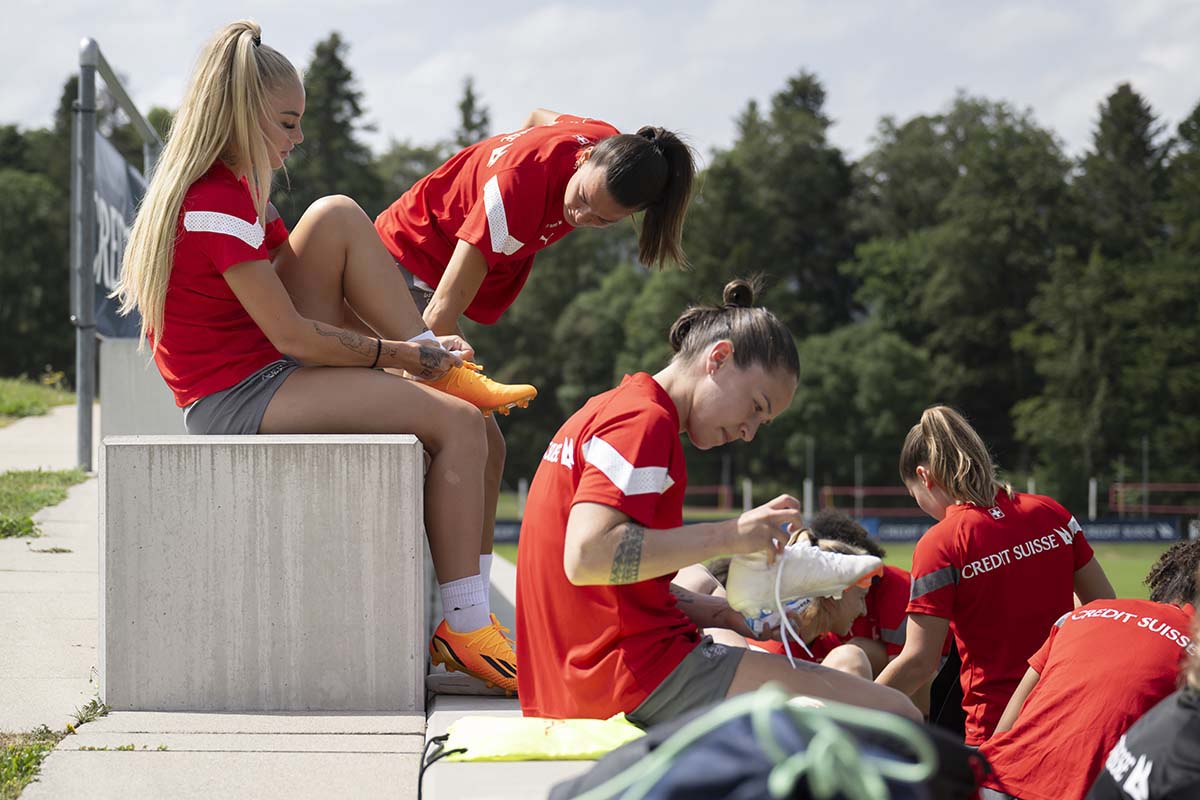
{"points": [[83, 250]]}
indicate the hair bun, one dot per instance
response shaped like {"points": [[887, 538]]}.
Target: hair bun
{"points": [[739, 294]]}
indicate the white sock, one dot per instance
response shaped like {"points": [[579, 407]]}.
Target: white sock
{"points": [[485, 569], [465, 603]]}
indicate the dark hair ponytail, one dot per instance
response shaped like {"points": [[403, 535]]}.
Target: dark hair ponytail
{"points": [[757, 335], [651, 171]]}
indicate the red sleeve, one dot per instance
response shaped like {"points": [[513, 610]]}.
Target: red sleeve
{"points": [[892, 592], [1079, 544], [627, 463], [1038, 660], [223, 225], [277, 231], [506, 216], [935, 574]]}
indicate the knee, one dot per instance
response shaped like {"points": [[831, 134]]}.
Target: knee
{"points": [[336, 206], [850, 659]]}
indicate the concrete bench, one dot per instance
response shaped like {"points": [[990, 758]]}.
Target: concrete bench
{"points": [[262, 573]]}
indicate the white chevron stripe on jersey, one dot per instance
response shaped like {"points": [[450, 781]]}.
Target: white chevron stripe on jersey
{"points": [[629, 479], [498, 219], [215, 222]]}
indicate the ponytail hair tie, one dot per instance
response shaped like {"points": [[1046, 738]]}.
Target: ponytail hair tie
{"points": [[256, 39]]}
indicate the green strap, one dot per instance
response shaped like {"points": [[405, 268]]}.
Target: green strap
{"points": [[832, 762]]}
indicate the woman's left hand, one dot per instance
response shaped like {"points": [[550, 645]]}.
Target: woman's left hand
{"points": [[459, 346]]}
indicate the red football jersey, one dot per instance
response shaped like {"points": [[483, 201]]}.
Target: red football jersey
{"points": [[1002, 575], [820, 647], [591, 651], [1102, 667], [887, 610], [504, 195], [208, 341]]}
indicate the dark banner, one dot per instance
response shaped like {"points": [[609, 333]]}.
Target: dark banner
{"points": [[1106, 529], [119, 188]]}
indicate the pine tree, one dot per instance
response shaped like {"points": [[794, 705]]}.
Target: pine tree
{"points": [[331, 160], [474, 118]]}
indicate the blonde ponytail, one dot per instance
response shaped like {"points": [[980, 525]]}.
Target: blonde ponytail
{"points": [[946, 444], [222, 116]]}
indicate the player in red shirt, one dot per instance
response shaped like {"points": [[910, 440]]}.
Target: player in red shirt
{"points": [[246, 320], [1102, 667], [600, 629], [1000, 565], [465, 235]]}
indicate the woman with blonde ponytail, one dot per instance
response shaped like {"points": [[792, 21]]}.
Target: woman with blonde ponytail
{"points": [[1002, 566], [260, 330]]}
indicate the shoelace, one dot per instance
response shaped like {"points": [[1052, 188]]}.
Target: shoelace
{"points": [[832, 761], [494, 631], [787, 624]]}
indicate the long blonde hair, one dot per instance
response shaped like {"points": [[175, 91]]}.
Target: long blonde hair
{"points": [[222, 116], [946, 444], [818, 616]]}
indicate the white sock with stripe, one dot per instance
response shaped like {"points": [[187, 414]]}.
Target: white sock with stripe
{"points": [[465, 604]]}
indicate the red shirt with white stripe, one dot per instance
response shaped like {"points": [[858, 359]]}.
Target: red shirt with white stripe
{"points": [[591, 651], [504, 195], [1102, 667], [1002, 575], [208, 341]]}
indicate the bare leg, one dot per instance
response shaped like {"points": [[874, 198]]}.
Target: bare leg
{"points": [[337, 271], [354, 400], [698, 579], [334, 258], [493, 471], [875, 651], [814, 680], [849, 659]]}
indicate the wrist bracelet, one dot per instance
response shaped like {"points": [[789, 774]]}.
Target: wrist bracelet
{"points": [[378, 349]]}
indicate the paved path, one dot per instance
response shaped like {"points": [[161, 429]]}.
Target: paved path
{"points": [[45, 442], [48, 615]]}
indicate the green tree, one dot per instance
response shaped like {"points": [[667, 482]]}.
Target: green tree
{"points": [[777, 202], [474, 119], [405, 163], [33, 275], [1123, 178], [1181, 209], [331, 160]]}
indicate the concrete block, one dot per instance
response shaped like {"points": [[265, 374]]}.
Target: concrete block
{"points": [[167, 722], [134, 399], [262, 573]]}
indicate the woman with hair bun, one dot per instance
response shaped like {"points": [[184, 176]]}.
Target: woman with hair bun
{"points": [[465, 236], [1002, 566], [600, 628]]}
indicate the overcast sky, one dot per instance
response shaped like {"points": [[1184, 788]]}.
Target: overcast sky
{"points": [[688, 66]]}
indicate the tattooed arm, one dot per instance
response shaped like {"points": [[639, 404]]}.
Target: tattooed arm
{"points": [[605, 546], [265, 299]]}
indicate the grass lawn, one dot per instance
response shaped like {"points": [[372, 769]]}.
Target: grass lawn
{"points": [[25, 398], [24, 492], [21, 755], [1126, 563]]}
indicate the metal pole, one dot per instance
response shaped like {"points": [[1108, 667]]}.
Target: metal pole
{"points": [[1145, 476], [858, 486], [747, 494], [1092, 486], [808, 499], [1121, 483], [1031, 485], [522, 495], [83, 165]]}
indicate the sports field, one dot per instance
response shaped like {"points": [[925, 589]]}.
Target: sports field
{"points": [[1125, 563]]}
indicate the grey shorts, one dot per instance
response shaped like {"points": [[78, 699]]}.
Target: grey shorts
{"points": [[240, 408], [703, 677], [993, 794], [421, 291]]}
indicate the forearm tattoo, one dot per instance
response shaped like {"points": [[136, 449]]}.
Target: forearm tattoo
{"points": [[627, 561], [348, 339], [432, 356]]}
